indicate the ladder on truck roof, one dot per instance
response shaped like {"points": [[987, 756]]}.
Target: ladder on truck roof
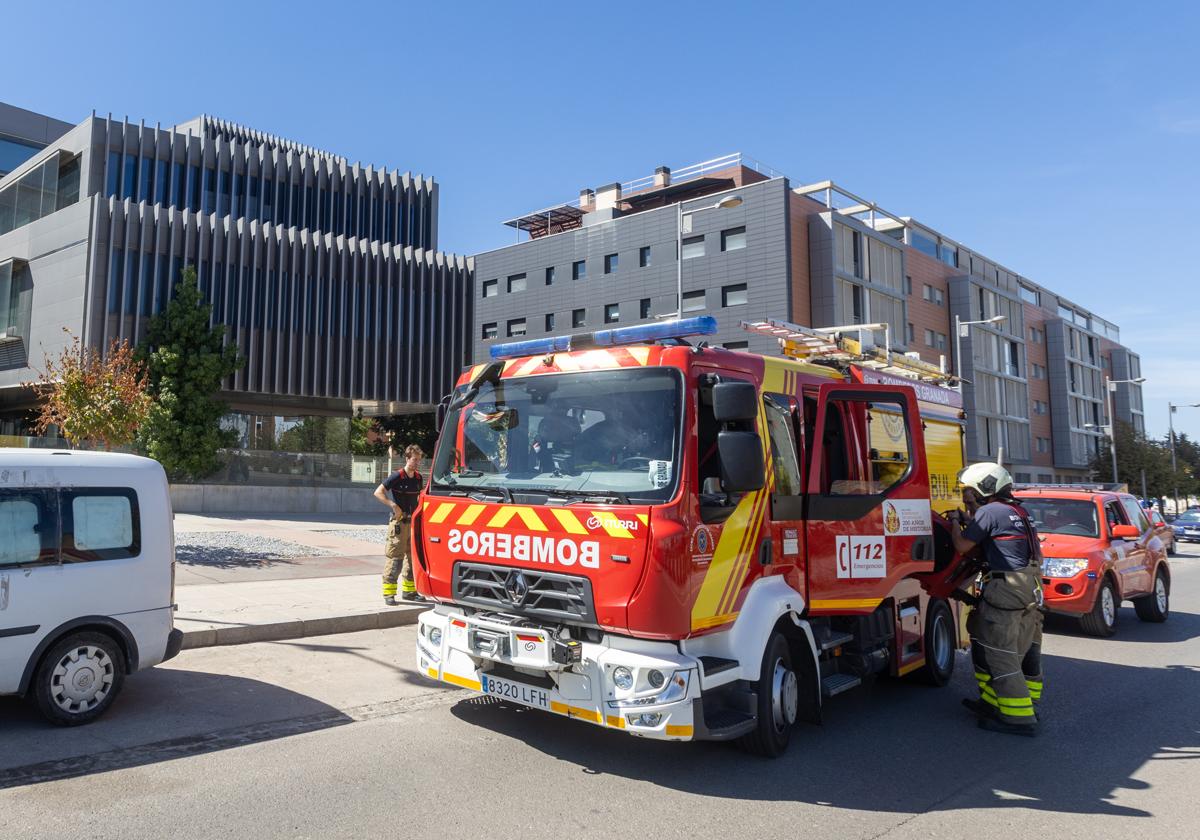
{"points": [[828, 346]]}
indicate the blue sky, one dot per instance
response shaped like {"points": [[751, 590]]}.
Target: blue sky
{"points": [[1060, 139]]}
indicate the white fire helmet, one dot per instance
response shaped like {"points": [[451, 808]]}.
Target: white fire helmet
{"points": [[986, 478]]}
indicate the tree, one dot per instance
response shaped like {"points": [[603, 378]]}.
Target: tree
{"points": [[186, 360], [93, 396], [403, 429], [1135, 453]]}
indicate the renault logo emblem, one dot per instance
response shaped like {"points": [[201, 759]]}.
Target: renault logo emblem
{"points": [[517, 587]]}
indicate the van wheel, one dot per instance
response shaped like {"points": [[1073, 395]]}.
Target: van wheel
{"points": [[939, 644], [1102, 620], [778, 694], [1155, 607], [78, 678]]}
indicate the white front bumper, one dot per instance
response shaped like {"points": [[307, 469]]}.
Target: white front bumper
{"points": [[584, 690]]}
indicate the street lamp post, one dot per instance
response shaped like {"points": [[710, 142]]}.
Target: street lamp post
{"points": [[1171, 436], [1111, 389], [725, 203]]}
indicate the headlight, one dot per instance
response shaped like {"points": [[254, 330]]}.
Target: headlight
{"points": [[1063, 567], [435, 636], [655, 678], [622, 678], [646, 719]]}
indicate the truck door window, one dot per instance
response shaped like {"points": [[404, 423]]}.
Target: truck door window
{"points": [[783, 448], [28, 528], [1136, 515], [855, 470]]}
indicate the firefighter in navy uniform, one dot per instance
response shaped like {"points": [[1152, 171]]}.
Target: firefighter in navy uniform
{"points": [[404, 487], [1006, 625]]}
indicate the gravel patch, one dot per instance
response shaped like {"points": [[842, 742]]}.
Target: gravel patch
{"points": [[371, 535], [236, 549]]}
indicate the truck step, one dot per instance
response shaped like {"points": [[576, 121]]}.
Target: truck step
{"points": [[837, 683], [834, 638], [716, 664], [727, 724]]}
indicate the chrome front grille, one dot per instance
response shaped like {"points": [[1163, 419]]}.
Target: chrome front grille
{"points": [[535, 594]]}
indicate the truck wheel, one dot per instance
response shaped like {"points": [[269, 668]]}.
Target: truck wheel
{"points": [[1156, 607], [778, 694], [78, 678], [939, 644], [1102, 620]]}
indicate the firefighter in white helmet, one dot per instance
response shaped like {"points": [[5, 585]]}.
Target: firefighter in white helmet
{"points": [[1006, 625]]}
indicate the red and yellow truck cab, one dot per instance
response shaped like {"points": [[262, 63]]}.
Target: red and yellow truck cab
{"points": [[686, 542]]}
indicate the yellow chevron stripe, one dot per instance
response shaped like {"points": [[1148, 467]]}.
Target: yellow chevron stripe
{"points": [[565, 361], [682, 731], [568, 521], [712, 621], [471, 514], [575, 712], [442, 512], [599, 359], [616, 721], [645, 517], [610, 522], [532, 521], [527, 515], [475, 371], [640, 354], [462, 682], [712, 588], [501, 517], [530, 366], [750, 550]]}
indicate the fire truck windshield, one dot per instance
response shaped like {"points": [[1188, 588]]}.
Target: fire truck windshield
{"points": [[597, 433]]}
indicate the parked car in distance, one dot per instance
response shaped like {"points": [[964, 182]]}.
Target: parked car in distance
{"points": [[87, 577], [1164, 531], [1187, 526], [1099, 549]]}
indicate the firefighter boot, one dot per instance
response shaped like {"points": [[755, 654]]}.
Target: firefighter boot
{"points": [[993, 725]]}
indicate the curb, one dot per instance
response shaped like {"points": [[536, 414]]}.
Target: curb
{"points": [[300, 629]]}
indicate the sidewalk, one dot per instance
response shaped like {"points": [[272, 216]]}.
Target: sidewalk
{"points": [[255, 578]]}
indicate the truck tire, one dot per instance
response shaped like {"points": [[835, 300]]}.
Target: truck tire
{"points": [[1157, 606], [78, 678], [778, 693], [1102, 620], [939, 644]]}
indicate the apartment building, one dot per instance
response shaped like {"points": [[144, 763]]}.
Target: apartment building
{"points": [[735, 239], [325, 273]]}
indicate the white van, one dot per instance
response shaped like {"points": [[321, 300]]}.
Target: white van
{"points": [[87, 577]]}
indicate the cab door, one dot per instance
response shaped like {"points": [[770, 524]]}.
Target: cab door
{"points": [[786, 507], [1140, 553], [869, 521]]}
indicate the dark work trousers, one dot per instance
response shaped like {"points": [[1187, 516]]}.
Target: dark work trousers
{"points": [[1006, 645], [399, 563]]}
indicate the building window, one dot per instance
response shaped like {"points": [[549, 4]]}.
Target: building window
{"points": [[612, 313], [909, 333], [923, 244], [733, 239], [550, 276], [933, 295], [1041, 407], [516, 283], [578, 318], [693, 301], [491, 288], [936, 340], [644, 308], [489, 330], [1031, 296], [948, 254], [736, 345], [1035, 335], [644, 256], [1039, 371], [693, 247], [734, 295], [549, 322], [516, 326], [1043, 445], [610, 263], [579, 270], [907, 284]]}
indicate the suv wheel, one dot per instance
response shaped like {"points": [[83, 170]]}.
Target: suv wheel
{"points": [[1102, 620], [78, 679], [1156, 606]]}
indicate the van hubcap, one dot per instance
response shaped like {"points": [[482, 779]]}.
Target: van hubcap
{"points": [[82, 679]]}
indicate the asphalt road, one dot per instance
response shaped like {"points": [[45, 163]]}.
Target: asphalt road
{"points": [[338, 737]]}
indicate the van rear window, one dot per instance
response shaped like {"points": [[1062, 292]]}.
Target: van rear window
{"points": [[28, 530], [100, 523]]}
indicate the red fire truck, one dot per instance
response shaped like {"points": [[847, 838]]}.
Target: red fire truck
{"points": [[685, 542]]}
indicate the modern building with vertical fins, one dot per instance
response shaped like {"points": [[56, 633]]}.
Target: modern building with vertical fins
{"points": [[325, 273]]}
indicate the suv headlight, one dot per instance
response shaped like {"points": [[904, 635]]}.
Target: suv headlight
{"points": [[1063, 567]]}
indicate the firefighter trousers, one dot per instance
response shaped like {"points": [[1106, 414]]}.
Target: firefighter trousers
{"points": [[399, 563], [1006, 645]]}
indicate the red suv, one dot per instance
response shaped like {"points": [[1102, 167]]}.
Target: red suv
{"points": [[1099, 549]]}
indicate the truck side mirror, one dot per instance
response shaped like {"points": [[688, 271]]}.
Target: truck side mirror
{"points": [[443, 408], [734, 401], [741, 455]]}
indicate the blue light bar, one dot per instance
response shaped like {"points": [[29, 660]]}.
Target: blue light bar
{"points": [[642, 334]]}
